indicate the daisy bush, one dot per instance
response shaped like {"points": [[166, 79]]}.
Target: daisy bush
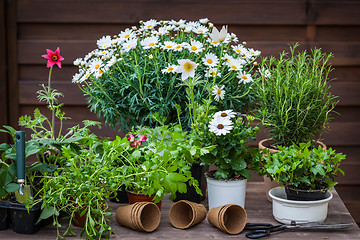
{"points": [[230, 132], [152, 69]]}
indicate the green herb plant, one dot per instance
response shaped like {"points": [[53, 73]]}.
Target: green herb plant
{"points": [[302, 166], [82, 186], [294, 95], [160, 163]]}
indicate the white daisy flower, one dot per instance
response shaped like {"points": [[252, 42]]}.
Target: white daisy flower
{"points": [[212, 72], [150, 24], [188, 27], [178, 47], [127, 34], [200, 30], [254, 53], [218, 92], [104, 42], [100, 72], [195, 47], [234, 37], [112, 61], [162, 31], [169, 69], [77, 62], [220, 126], [244, 78], [149, 42], [177, 23], [186, 68], [85, 77], [228, 58], [204, 20], [210, 60], [96, 65], [225, 114], [240, 49], [234, 65], [219, 36], [130, 44], [169, 45], [265, 72], [76, 77], [213, 43]]}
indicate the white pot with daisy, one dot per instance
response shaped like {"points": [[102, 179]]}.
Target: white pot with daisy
{"points": [[230, 132], [141, 76]]}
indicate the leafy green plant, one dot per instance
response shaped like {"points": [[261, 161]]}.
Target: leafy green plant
{"points": [[302, 166], [160, 163], [82, 186], [229, 132], [294, 95], [141, 72]]}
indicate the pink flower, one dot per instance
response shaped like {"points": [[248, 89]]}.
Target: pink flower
{"points": [[131, 138], [136, 143], [53, 58], [142, 138]]}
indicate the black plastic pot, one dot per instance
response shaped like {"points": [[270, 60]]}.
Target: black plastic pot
{"points": [[304, 195], [191, 195], [24, 221], [5, 218], [121, 196]]}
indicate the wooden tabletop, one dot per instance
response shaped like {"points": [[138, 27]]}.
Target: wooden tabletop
{"points": [[258, 209]]}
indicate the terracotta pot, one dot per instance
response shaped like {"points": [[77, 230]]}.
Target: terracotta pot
{"points": [[138, 197], [268, 183]]}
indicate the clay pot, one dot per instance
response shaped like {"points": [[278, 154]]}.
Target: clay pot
{"points": [[230, 218], [138, 197], [140, 216], [185, 214]]}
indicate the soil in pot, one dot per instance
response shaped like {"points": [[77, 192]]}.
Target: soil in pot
{"points": [[191, 195], [138, 197], [304, 195]]}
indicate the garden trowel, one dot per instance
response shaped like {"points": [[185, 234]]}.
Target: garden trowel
{"points": [[24, 191]]}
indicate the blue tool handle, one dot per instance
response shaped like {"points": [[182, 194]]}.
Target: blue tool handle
{"points": [[20, 155]]}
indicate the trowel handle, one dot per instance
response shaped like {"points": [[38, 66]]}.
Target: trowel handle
{"points": [[20, 156]]}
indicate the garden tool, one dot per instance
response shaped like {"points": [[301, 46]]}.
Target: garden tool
{"points": [[24, 191]]}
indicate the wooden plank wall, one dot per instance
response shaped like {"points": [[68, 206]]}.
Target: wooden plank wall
{"points": [[74, 26]]}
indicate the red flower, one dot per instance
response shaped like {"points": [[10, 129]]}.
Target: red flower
{"points": [[142, 138], [53, 58], [136, 143], [131, 138]]}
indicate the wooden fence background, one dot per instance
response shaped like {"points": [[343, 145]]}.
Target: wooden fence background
{"points": [[28, 27]]}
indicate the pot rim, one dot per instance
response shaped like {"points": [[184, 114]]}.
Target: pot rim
{"points": [[222, 180], [279, 199], [262, 146]]}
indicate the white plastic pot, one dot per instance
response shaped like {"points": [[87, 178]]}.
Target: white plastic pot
{"points": [[221, 192], [298, 212]]}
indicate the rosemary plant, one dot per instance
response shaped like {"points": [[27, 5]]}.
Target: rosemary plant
{"points": [[294, 95]]}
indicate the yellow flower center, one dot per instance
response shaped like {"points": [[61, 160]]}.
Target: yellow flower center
{"points": [[200, 31], [209, 61], [193, 48], [170, 69], [168, 46], [238, 50], [252, 53], [54, 58], [151, 44], [233, 67], [213, 73], [149, 26], [178, 46], [100, 72], [188, 66], [97, 66], [213, 42], [127, 35], [219, 91], [103, 53], [244, 77], [223, 114], [220, 126]]}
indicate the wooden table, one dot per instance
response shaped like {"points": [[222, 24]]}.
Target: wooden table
{"points": [[258, 210]]}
